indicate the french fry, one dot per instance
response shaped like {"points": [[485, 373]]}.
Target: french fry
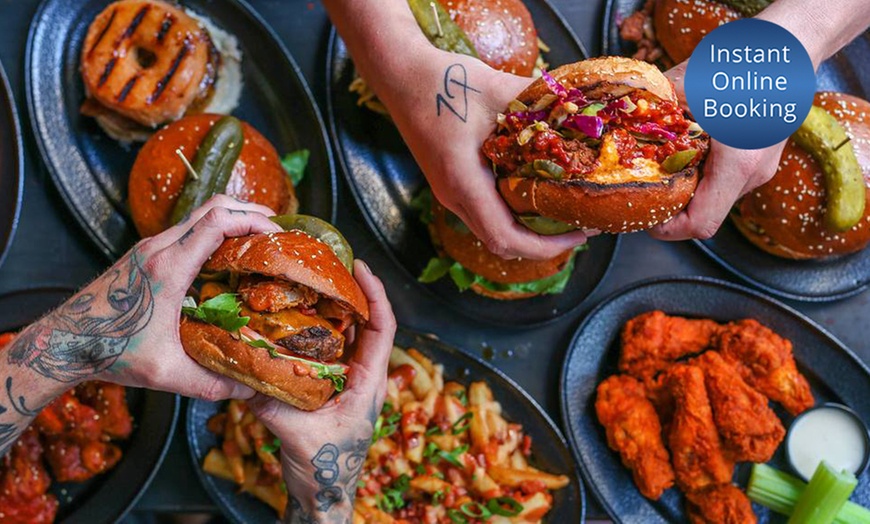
{"points": [[478, 428], [534, 508], [483, 485], [422, 382], [479, 394], [425, 362], [518, 460], [215, 463], [513, 478], [271, 494], [371, 514], [429, 484]]}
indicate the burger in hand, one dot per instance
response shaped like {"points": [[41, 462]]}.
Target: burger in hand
{"points": [[600, 144], [275, 310]]}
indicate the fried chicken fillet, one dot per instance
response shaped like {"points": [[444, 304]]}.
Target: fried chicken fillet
{"points": [[723, 504], [749, 429], [765, 361], [634, 431], [699, 460], [654, 340]]}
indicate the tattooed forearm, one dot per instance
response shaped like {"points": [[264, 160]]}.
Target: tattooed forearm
{"points": [[454, 94], [88, 334]]}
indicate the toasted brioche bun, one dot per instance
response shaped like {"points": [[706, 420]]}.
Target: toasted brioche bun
{"points": [[158, 175], [293, 256], [785, 217], [680, 25], [613, 198], [465, 248], [215, 349], [502, 32], [296, 257]]}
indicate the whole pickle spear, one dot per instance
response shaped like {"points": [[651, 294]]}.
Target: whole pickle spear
{"points": [[443, 32], [747, 7], [211, 167], [825, 139], [320, 229]]}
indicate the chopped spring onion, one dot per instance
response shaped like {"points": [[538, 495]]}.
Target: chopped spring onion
{"points": [[458, 426], [504, 506], [475, 510], [780, 491], [824, 496]]}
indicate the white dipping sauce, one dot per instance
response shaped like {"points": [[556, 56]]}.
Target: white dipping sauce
{"points": [[830, 434]]}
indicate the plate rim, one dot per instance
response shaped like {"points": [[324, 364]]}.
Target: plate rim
{"points": [[103, 247], [449, 348], [657, 281], [7, 98], [336, 143], [172, 398]]}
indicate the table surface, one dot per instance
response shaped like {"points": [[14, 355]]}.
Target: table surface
{"points": [[63, 256]]}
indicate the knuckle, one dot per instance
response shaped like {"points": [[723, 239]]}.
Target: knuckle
{"points": [[157, 264], [705, 230], [213, 390], [219, 200]]}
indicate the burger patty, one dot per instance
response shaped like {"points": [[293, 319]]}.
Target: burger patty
{"points": [[265, 294], [573, 155], [314, 342]]}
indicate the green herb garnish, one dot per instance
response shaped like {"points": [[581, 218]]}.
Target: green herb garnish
{"points": [[461, 426], [271, 447], [294, 164]]}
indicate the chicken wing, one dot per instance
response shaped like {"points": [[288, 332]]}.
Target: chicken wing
{"points": [[653, 340], [699, 460], [765, 361], [723, 504], [634, 431], [750, 430]]}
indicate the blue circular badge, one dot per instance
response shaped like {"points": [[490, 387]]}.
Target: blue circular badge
{"points": [[750, 84]]}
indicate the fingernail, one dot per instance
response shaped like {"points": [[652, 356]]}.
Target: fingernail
{"points": [[592, 232], [365, 267]]}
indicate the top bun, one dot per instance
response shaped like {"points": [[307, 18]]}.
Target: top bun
{"points": [[502, 32], [294, 256], [680, 24], [158, 175]]}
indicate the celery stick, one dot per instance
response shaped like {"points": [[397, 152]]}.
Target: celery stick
{"points": [[779, 492], [824, 496]]}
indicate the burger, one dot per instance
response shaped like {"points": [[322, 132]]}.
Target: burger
{"points": [[667, 31], [273, 315], [145, 63], [599, 144], [470, 265], [159, 174], [786, 216], [499, 32]]}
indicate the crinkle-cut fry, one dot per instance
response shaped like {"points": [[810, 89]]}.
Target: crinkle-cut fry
{"points": [[429, 484], [215, 463], [424, 361], [370, 514], [422, 382], [513, 478], [479, 394]]}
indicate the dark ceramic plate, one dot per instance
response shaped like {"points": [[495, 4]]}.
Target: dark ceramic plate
{"points": [[550, 451], [106, 498], [384, 178], [812, 281], [11, 165], [834, 373], [91, 169]]}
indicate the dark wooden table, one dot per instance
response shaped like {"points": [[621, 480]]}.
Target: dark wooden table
{"points": [[51, 250]]}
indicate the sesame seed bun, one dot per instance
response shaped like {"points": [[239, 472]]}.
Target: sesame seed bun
{"points": [[158, 175], [681, 24], [465, 248], [785, 217], [502, 32], [612, 198]]}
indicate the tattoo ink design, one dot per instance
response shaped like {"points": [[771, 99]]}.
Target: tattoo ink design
{"points": [[455, 95], [185, 236], [87, 335], [354, 463], [18, 404], [326, 464]]}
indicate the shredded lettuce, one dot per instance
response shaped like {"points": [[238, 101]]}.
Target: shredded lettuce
{"points": [[464, 278], [223, 311], [295, 163]]}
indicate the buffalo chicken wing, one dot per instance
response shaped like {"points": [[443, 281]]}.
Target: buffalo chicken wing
{"points": [[653, 341]]}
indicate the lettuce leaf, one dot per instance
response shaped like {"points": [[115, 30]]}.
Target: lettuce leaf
{"points": [[295, 163], [223, 311], [435, 269], [333, 372], [422, 203]]}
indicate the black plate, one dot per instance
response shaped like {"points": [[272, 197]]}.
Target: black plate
{"points": [[810, 281], [11, 165], [384, 178], [108, 497], [550, 451], [834, 373], [91, 169]]}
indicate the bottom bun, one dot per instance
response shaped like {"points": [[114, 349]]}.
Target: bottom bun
{"points": [[214, 348], [500, 295]]}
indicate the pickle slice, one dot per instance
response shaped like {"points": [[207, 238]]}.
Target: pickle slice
{"points": [[825, 139], [542, 168], [679, 160], [545, 226], [322, 230], [748, 7]]}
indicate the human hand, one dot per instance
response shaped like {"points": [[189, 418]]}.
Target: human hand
{"points": [[444, 122], [123, 327], [323, 451], [728, 174]]}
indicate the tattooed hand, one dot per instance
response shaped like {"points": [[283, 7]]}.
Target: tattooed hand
{"points": [[445, 118], [322, 452]]}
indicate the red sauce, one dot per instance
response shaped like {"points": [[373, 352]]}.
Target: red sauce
{"points": [[403, 375]]}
